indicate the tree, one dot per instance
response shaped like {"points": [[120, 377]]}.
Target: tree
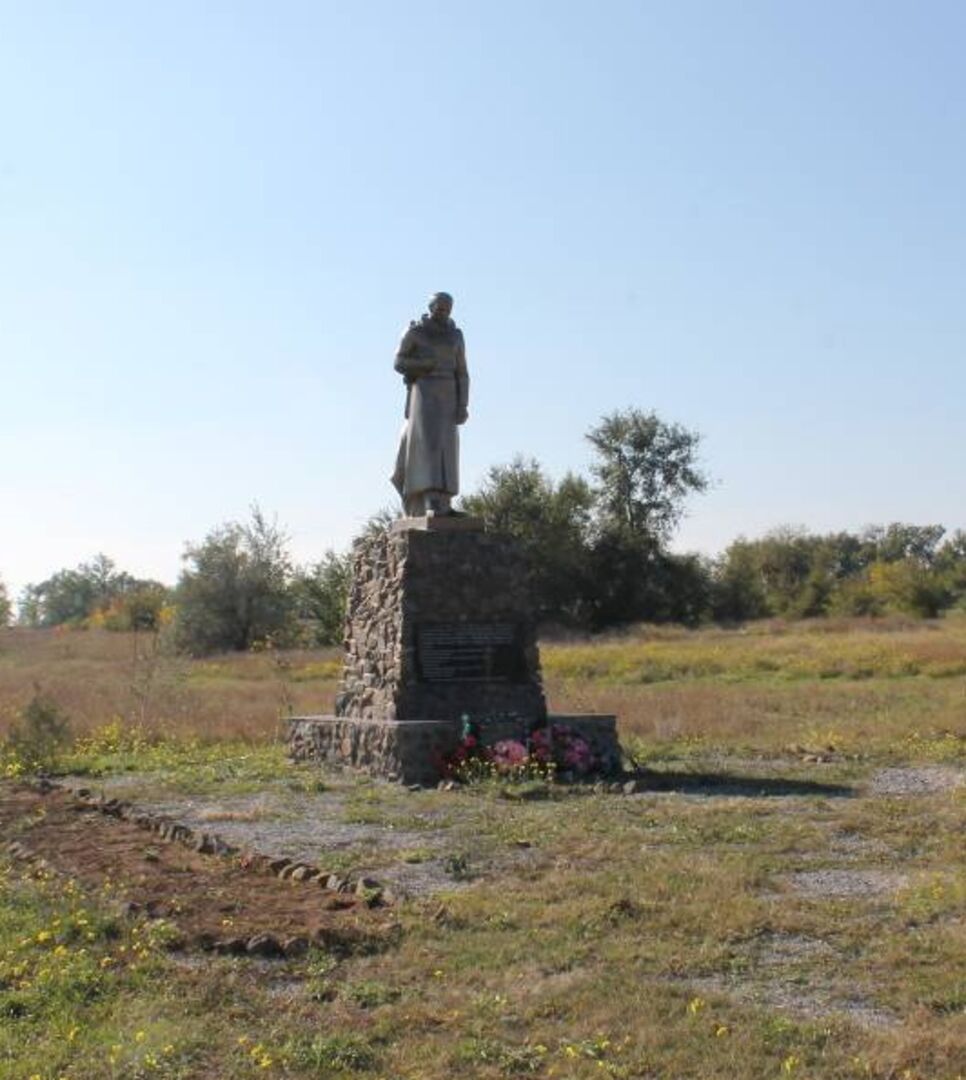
{"points": [[898, 541], [235, 591], [645, 469], [73, 596], [6, 607], [142, 607], [552, 523], [632, 578], [739, 591], [951, 563], [320, 596], [908, 586]]}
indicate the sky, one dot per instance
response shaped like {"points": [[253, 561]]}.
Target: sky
{"points": [[217, 218]]}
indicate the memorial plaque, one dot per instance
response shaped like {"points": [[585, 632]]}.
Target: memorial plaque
{"points": [[459, 652]]}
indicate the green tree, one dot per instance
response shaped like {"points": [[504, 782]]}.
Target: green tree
{"points": [[141, 607], [73, 596], [236, 589], [632, 578], [28, 607], [320, 592], [951, 564], [908, 586], [552, 523], [898, 541], [739, 592], [6, 608], [645, 469]]}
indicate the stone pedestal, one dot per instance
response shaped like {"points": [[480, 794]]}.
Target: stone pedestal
{"points": [[439, 631]]}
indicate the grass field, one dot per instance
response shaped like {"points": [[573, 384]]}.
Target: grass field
{"points": [[785, 898]]}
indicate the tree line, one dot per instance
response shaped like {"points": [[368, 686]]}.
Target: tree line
{"points": [[598, 546]]}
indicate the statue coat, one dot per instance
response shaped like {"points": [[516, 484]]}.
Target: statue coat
{"points": [[432, 360]]}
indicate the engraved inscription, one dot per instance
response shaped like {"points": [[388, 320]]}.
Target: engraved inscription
{"points": [[449, 652]]}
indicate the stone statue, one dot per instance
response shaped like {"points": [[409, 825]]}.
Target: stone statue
{"points": [[432, 361]]}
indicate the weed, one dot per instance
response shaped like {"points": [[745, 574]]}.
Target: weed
{"points": [[319, 967], [369, 993], [457, 865], [324, 1053]]}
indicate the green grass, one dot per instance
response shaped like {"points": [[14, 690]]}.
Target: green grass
{"points": [[579, 935], [632, 940], [793, 652]]}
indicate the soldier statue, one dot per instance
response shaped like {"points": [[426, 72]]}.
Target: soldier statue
{"points": [[432, 361]]}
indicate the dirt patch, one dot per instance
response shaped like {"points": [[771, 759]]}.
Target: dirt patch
{"points": [[211, 900]]}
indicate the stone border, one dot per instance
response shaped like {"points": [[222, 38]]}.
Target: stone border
{"points": [[208, 843]]}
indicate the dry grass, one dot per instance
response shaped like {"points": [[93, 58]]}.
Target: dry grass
{"points": [[95, 676], [849, 684]]}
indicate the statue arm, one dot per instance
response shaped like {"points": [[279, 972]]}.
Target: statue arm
{"points": [[408, 362], [462, 383]]}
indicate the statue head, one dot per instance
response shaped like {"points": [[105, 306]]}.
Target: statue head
{"points": [[441, 306]]}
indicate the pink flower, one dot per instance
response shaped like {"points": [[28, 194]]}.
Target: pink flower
{"points": [[510, 752]]}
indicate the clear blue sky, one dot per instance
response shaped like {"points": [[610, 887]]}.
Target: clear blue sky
{"points": [[216, 218]]}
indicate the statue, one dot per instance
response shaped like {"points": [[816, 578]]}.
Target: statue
{"points": [[432, 361]]}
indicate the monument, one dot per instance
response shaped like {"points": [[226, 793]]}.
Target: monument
{"points": [[432, 361], [440, 637]]}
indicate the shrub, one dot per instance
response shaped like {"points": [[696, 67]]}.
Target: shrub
{"points": [[37, 739]]}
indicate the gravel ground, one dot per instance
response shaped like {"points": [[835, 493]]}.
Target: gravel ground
{"points": [[304, 828], [925, 780], [845, 883]]}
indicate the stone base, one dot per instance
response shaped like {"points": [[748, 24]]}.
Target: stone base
{"points": [[413, 751], [410, 751], [438, 523], [439, 626]]}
